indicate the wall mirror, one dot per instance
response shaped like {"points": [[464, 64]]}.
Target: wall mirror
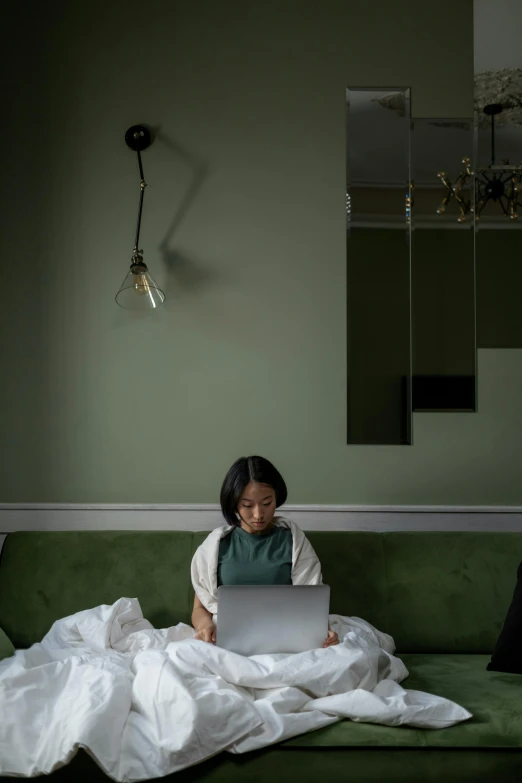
{"points": [[498, 124], [378, 231], [443, 266], [433, 221]]}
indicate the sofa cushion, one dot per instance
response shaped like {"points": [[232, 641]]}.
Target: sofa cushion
{"points": [[45, 576], [6, 646], [449, 591], [494, 699], [507, 655]]}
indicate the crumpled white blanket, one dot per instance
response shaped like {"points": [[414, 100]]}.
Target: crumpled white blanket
{"points": [[146, 702]]}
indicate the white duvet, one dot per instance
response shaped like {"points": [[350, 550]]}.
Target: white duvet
{"points": [[146, 702]]}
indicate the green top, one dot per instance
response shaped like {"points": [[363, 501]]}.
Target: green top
{"points": [[249, 559]]}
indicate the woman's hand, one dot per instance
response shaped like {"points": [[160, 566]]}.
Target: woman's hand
{"points": [[331, 639], [203, 623], [207, 633]]}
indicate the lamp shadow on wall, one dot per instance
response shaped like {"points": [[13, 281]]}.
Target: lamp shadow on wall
{"points": [[188, 277], [184, 273]]}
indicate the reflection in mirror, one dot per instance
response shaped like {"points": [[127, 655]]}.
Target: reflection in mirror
{"points": [[498, 239], [443, 267], [378, 203]]}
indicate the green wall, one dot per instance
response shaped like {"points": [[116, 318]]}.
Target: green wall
{"points": [[243, 224]]}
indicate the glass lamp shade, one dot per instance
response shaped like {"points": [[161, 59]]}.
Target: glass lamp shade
{"points": [[139, 290]]}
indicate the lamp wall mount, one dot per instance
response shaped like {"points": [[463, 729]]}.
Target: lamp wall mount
{"points": [[139, 290], [138, 138]]}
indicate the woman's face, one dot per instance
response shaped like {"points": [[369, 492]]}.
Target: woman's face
{"points": [[256, 507]]}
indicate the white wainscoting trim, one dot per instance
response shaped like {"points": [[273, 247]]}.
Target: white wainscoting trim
{"points": [[198, 517]]}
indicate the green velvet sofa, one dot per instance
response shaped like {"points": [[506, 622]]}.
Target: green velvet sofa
{"points": [[442, 596]]}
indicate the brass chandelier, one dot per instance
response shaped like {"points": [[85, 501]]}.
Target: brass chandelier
{"points": [[500, 184]]}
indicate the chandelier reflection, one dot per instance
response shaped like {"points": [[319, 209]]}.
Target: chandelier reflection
{"points": [[500, 184]]}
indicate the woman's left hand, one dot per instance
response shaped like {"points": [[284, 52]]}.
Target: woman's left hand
{"points": [[331, 639]]}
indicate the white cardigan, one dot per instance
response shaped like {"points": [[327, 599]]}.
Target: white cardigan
{"points": [[306, 568]]}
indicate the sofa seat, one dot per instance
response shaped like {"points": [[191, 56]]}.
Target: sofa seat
{"points": [[494, 698]]}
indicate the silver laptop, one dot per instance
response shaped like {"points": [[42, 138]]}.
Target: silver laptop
{"points": [[257, 619]]}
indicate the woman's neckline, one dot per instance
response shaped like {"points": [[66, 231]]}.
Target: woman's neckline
{"points": [[270, 532]]}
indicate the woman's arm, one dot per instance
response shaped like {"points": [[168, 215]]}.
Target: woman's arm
{"points": [[202, 622]]}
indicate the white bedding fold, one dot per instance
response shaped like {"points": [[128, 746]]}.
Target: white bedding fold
{"points": [[146, 702]]}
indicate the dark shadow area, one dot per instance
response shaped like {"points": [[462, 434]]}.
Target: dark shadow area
{"points": [[444, 393], [27, 178]]}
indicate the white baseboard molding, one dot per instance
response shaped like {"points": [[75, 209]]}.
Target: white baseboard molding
{"points": [[47, 516]]}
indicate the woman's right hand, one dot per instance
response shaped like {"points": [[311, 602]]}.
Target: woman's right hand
{"points": [[207, 633], [203, 623]]}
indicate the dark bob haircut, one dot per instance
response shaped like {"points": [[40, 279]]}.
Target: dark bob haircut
{"points": [[243, 471]]}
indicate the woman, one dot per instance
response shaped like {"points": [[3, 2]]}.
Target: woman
{"points": [[254, 547]]}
